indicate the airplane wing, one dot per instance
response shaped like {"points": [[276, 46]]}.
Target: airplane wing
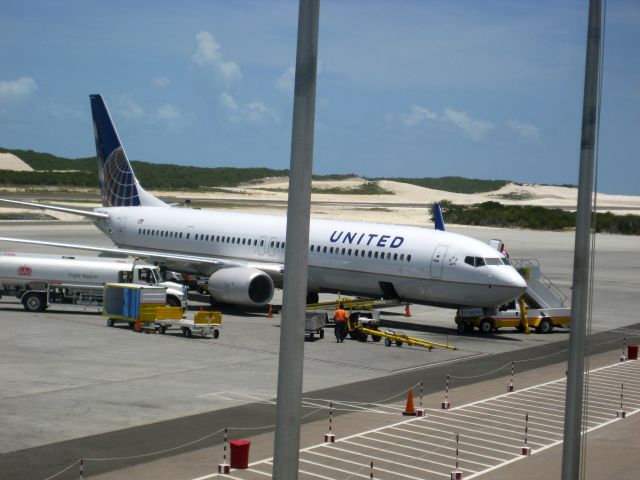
{"points": [[76, 211], [192, 263]]}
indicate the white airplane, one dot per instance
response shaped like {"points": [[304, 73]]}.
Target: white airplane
{"points": [[243, 254]]}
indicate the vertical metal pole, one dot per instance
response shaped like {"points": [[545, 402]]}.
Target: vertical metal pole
{"points": [[290, 364], [572, 451]]}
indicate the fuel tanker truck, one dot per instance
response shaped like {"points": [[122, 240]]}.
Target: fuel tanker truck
{"points": [[39, 280]]}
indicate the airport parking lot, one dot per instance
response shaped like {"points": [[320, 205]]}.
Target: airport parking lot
{"points": [[66, 376]]}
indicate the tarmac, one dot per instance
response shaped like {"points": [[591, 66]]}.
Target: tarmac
{"points": [[74, 388]]}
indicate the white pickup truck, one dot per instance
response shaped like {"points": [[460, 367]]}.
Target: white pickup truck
{"points": [[38, 280]]}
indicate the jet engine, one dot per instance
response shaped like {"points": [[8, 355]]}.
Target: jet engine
{"points": [[241, 286]]}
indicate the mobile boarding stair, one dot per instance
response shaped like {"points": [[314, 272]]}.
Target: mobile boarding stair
{"points": [[541, 291]]}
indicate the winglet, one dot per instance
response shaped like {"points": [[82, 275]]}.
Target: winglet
{"points": [[437, 217]]}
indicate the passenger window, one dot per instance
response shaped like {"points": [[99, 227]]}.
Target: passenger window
{"points": [[324, 250], [283, 244], [402, 257], [369, 253], [180, 234], [277, 244], [395, 256], [375, 255], [188, 235], [388, 255], [196, 236], [409, 258], [331, 250], [343, 250]]}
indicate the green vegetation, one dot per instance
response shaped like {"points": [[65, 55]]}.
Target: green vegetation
{"points": [[25, 216], [493, 214], [51, 170], [367, 188], [516, 195], [453, 184]]}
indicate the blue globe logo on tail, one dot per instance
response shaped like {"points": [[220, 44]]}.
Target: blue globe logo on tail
{"points": [[118, 182]]}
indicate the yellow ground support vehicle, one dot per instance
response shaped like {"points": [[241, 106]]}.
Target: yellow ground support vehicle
{"points": [[544, 320]]}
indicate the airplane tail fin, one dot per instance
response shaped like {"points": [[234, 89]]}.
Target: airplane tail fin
{"points": [[437, 217], [118, 183]]}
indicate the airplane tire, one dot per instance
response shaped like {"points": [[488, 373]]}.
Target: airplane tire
{"points": [[486, 326]]}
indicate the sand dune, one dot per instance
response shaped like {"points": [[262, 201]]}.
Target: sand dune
{"points": [[8, 161]]}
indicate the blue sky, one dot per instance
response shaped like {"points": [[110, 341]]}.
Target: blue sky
{"points": [[489, 89]]}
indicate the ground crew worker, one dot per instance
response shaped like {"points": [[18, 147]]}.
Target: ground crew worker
{"points": [[340, 317]]}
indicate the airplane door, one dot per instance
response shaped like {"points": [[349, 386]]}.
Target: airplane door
{"points": [[437, 261], [271, 247], [262, 245], [120, 229]]}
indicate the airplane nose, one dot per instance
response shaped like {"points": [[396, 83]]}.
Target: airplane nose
{"points": [[514, 279]]}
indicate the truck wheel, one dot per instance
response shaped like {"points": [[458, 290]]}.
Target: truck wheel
{"points": [[486, 325], [545, 326], [216, 333], [34, 302], [376, 338], [186, 332], [162, 329], [321, 333], [173, 301], [463, 327], [398, 343], [362, 337], [387, 342], [110, 322]]}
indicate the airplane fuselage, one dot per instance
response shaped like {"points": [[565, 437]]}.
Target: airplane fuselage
{"points": [[418, 265]]}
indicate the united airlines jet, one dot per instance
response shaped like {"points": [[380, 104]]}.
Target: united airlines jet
{"points": [[243, 254]]}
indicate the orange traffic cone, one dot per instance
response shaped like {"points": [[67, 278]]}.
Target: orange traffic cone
{"points": [[407, 310], [409, 409], [270, 312], [137, 327]]}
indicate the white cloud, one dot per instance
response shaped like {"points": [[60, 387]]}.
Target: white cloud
{"points": [[474, 129], [167, 114], [14, 90], [252, 112], [228, 102], [526, 131], [285, 82], [161, 82], [416, 115], [209, 53], [64, 110]]}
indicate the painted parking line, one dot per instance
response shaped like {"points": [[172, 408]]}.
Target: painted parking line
{"points": [[491, 432]]}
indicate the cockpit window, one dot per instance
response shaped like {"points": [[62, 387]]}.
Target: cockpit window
{"points": [[493, 261], [475, 261]]}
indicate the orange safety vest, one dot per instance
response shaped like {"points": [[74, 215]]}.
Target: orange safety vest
{"points": [[341, 315]]}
